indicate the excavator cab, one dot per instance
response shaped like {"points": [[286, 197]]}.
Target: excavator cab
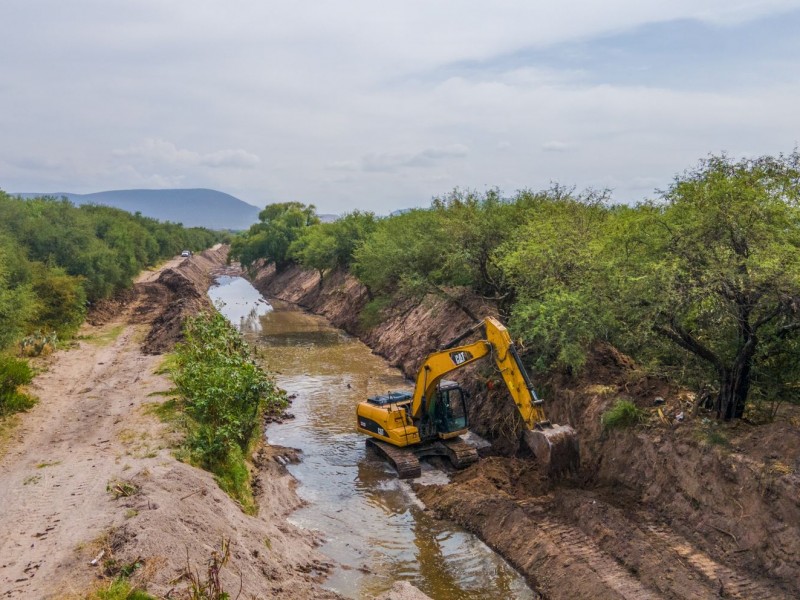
{"points": [[450, 410]]}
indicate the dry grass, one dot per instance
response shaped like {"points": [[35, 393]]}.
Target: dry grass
{"points": [[104, 337], [8, 425], [604, 391], [121, 488]]}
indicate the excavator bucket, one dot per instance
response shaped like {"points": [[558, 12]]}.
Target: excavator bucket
{"points": [[555, 448]]}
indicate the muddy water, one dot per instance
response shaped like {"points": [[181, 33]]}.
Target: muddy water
{"points": [[373, 524]]}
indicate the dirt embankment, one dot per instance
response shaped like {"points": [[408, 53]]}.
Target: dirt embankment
{"points": [[673, 509], [89, 472]]}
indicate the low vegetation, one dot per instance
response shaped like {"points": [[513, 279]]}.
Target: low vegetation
{"points": [[623, 413], [14, 373], [225, 395], [119, 589], [701, 285]]}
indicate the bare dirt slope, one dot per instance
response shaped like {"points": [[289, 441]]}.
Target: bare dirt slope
{"points": [[88, 470], [674, 508]]}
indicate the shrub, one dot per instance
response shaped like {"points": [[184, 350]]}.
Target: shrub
{"points": [[225, 394], [624, 413], [372, 313], [119, 589], [13, 374], [38, 344]]}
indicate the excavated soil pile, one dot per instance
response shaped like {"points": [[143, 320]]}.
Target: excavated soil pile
{"points": [[676, 507], [90, 489]]}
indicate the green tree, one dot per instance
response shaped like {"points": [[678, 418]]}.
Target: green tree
{"points": [[715, 270], [406, 253], [553, 263], [326, 246], [270, 239], [60, 300], [478, 225], [17, 302]]}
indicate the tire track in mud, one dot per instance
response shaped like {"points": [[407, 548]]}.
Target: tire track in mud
{"points": [[55, 498], [634, 555], [572, 542], [730, 584]]}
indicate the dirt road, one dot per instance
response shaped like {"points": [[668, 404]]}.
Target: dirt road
{"points": [[88, 470], [70, 446]]}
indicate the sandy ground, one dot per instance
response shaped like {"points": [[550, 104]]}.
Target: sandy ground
{"points": [[89, 470]]}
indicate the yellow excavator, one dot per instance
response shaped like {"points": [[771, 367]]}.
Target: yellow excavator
{"points": [[406, 426]]}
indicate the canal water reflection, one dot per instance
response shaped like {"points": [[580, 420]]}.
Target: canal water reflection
{"points": [[373, 524]]}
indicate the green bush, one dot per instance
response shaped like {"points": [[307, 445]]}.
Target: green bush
{"points": [[225, 394], [372, 313], [120, 589], [624, 413], [13, 374]]}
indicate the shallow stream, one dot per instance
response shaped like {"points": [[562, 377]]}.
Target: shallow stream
{"points": [[374, 525]]}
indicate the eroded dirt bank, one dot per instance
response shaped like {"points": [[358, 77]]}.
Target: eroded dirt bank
{"points": [[89, 473], [674, 509]]}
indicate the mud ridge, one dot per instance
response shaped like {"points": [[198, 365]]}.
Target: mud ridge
{"points": [[658, 511]]}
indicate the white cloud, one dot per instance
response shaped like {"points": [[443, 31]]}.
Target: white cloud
{"points": [[230, 158], [163, 152], [556, 146], [391, 162], [356, 103]]}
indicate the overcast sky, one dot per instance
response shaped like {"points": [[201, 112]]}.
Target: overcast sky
{"points": [[381, 105]]}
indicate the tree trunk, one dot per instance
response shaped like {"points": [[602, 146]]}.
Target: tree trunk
{"points": [[735, 384]]}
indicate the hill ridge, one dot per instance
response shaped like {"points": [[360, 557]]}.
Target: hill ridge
{"points": [[194, 207]]}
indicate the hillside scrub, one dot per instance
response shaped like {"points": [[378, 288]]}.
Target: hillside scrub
{"points": [[701, 285], [328, 246], [57, 259], [225, 394], [623, 413]]}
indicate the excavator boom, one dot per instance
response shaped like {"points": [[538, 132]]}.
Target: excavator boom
{"points": [[554, 446]]}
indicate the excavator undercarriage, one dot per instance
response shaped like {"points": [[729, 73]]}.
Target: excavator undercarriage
{"points": [[406, 460]]}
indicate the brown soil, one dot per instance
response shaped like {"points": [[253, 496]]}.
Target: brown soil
{"points": [[675, 508], [89, 470]]}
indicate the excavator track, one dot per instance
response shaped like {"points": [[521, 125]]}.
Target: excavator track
{"points": [[460, 453], [406, 460], [403, 460]]}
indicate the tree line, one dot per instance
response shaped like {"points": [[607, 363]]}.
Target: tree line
{"points": [[700, 285], [56, 259]]}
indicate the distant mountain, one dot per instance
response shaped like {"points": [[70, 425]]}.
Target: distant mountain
{"points": [[193, 207]]}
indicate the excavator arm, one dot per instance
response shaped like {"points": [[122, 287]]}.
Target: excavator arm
{"points": [[439, 364], [555, 446], [516, 378]]}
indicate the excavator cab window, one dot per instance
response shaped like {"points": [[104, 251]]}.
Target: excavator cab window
{"points": [[451, 410]]}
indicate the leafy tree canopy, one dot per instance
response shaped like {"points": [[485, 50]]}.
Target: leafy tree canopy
{"points": [[270, 239], [714, 268]]}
